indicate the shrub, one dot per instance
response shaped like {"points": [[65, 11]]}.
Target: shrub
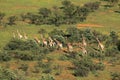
{"points": [[111, 51], [11, 20], [17, 44], [99, 66], [115, 76], [75, 34], [5, 56], [83, 67], [81, 71], [24, 55], [96, 54], [6, 74], [92, 6], [24, 67], [47, 77]]}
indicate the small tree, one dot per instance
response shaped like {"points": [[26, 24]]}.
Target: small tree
{"points": [[32, 18], [47, 77], [92, 6], [5, 56], [68, 10], [115, 76], [44, 12], [6, 74], [11, 20]]}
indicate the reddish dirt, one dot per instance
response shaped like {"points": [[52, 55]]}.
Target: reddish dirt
{"points": [[105, 62], [64, 64], [66, 74], [1, 27], [88, 25]]}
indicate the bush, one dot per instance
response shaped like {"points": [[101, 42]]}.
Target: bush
{"points": [[83, 67], [115, 76], [99, 66], [6, 74], [43, 50], [111, 51], [47, 77], [24, 55], [75, 34], [81, 71], [5, 56], [24, 67], [92, 6], [17, 44], [97, 55], [11, 20]]}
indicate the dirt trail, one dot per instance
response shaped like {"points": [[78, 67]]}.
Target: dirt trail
{"points": [[88, 25], [104, 62]]}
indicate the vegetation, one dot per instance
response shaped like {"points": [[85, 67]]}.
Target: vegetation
{"points": [[46, 42]]}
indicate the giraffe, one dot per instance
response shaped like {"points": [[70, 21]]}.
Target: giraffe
{"points": [[19, 35], [14, 36], [50, 39], [59, 44], [44, 41], [100, 44], [70, 47], [84, 50], [81, 45], [51, 43], [25, 36], [37, 40], [84, 41]]}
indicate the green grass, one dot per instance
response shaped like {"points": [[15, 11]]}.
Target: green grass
{"points": [[109, 20], [11, 7]]}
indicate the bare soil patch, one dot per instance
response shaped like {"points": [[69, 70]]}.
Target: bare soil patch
{"points": [[88, 25]]}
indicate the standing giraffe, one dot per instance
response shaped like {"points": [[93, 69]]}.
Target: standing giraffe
{"points": [[100, 44], [51, 42], [44, 41], [81, 45], [84, 41], [59, 44], [84, 50], [70, 47], [37, 40], [14, 36], [19, 35], [25, 36]]}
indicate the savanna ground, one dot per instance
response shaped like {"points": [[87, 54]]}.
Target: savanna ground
{"points": [[102, 20]]}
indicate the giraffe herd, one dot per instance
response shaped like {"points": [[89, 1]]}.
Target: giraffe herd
{"points": [[52, 42], [18, 35]]}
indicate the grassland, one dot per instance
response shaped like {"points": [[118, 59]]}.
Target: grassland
{"points": [[107, 19]]}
